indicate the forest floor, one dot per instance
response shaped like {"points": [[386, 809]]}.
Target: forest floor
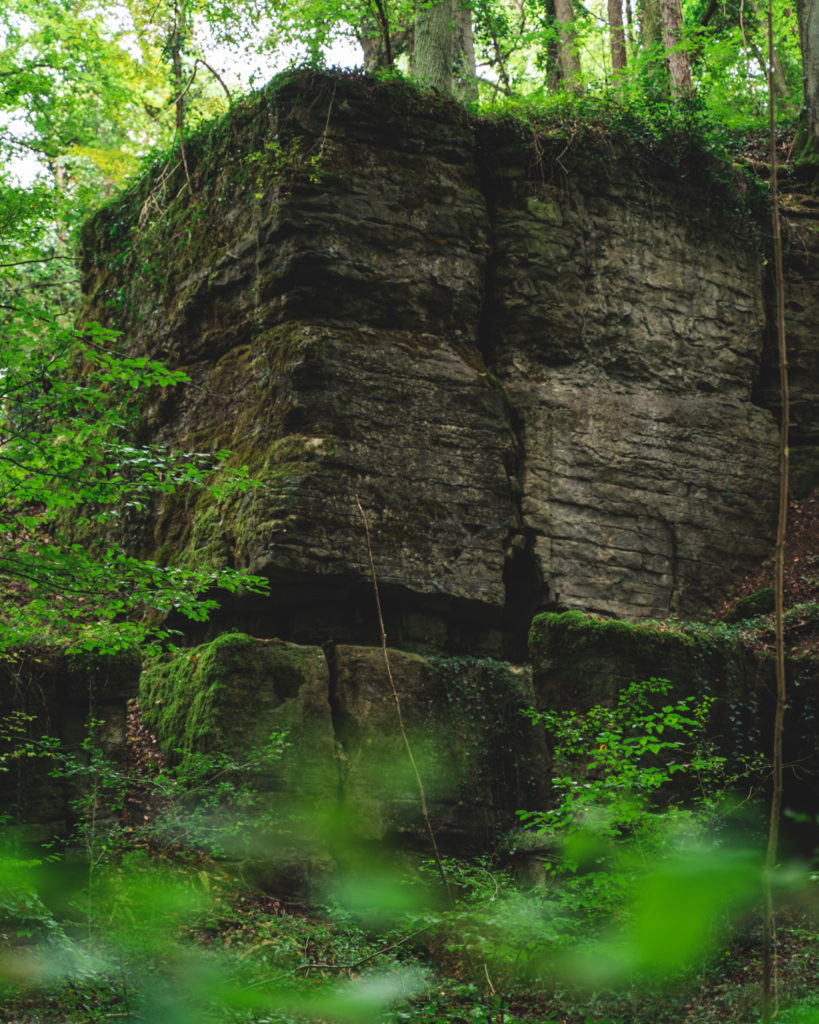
{"points": [[801, 585], [269, 947]]}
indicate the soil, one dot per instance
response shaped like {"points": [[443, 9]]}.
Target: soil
{"points": [[801, 583]]}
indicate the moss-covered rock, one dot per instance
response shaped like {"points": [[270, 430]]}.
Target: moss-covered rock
{"points": [[581, 660], [229, 695], [759, 603], [480, 759]]}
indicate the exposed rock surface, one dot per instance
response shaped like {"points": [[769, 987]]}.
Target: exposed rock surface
{"points": [[801, 243], [536, 368], [480, 759], [579, 661]]}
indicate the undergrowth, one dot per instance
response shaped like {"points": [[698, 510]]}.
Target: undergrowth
{"points": [[626, 901]]}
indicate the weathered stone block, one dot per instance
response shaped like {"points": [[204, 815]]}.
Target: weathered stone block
{"points": [[489, 346]]}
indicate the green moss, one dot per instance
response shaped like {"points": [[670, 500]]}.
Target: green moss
{"points": [[573, 630], [229, 694], [184, 700], [582, 660], [760, 603]]}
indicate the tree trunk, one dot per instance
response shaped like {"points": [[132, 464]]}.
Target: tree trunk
{"points": [[650, 32], [678, 62], [443, 55], [808, 11], [779, 79], [629, 26], [175, 43], [554, 71], [569, 57], [466, 82], [617, 37], [372, 41]]}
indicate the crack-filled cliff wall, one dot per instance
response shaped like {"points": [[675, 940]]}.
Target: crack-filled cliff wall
{"points": [[536, 364]]}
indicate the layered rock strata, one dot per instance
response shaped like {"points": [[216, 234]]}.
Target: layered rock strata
{"points": [[533, 365]]}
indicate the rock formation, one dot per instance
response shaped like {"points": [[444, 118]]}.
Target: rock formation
{"points": [[541, 364], [535, 364]]}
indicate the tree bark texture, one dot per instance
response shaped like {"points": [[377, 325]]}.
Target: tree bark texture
{"points": [[569, 57], [808, 11], [650, 32], [443, 50], [679, 64], [554, 71], [374, 45], [617, 38]]}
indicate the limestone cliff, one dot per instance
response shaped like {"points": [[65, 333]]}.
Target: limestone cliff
{"points": [[536, 363]]}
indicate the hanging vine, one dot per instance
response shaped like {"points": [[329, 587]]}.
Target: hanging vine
{"points": [[769, 930]]}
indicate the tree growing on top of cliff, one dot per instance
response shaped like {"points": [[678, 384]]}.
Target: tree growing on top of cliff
{"points": [[443, 54], [808, 13]]}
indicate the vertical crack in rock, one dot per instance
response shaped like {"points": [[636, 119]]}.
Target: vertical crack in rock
{"points": [[525, 368], [674, 594], [524, 589], [340, 727]]}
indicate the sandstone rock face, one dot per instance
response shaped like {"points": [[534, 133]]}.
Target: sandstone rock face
{"points": [[535, 369], [629, 332], [801, 253]]}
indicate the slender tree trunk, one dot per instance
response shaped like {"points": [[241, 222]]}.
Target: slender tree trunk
{"points": [[808, 11], [780, 83], [466, 82], [651, 43], [617, 38], [630, 26], [568, 55], [177, 37], [678, 61], [376, 55], [554, 71], [768, 932], [650, 31], [380, 39], [779, 79]]}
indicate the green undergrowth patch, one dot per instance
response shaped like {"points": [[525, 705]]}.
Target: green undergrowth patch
{"points": [[197, 948], [628, 906]]}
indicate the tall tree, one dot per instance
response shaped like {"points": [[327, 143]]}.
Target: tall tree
{"points": [[808, 12], [568, 55], [443, 55], [617, 38], [679, 64]]}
